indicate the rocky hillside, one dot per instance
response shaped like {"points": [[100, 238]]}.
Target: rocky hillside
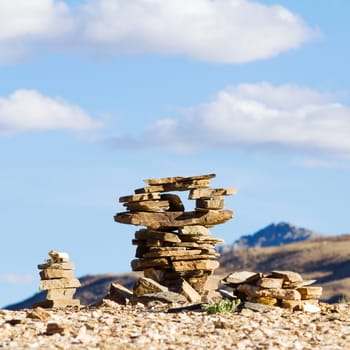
{"points": [[276, 235]]}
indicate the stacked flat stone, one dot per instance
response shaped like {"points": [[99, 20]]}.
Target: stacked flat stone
{"points": [[176, 245], [286, 289], [58, 279]]}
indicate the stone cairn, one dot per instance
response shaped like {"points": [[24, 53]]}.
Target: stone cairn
{"points": [[176, 246], [58, 279], [286, 289]]}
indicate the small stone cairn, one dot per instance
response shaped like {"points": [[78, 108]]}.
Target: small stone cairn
{"points": [[286, 289], [58, 279], [176, 247]]}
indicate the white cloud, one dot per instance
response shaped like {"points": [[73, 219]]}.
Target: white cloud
{"points": [[27, 25], [15, 278], [28, 110], [231, 31], [259, 117]]}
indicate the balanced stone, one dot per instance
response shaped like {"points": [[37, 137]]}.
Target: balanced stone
{"points": [[157, 220]]}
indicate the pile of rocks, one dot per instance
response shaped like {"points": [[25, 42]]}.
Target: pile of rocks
{"points": [[58, 279], [278, 288], [176, 245]]}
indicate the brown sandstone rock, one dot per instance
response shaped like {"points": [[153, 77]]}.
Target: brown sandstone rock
{"points": [[156, 220], [147, 286]]}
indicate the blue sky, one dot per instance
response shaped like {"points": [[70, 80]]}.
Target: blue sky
{"points": [[97, 95]]}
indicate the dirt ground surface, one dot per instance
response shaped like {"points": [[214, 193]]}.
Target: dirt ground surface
{"points": [[113, 326]]}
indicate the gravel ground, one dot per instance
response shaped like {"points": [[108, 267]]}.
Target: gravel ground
{"points": [[112, 326]]}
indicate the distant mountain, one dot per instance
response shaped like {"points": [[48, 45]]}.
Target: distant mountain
{"points": [[276, 235]]}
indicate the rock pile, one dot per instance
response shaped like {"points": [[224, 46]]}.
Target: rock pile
{"points": [[279, 288], [58, 279], [176, 245]]}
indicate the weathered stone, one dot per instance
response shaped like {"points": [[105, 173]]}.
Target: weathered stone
{"points": [[140, 197], [248, 289], [201, 239], [299, 284], [184, 288], [288, 276], [177, 179], [155, 274], [60, 293], [176, 186], [56, 273], [174, 219], [57, 303], [57, 266], [264, 300], [53, 328], [195, 265], [157, 235], [194, 257], [285, 294], [211, 192], [167, 248], [164, 297], [175, 203], [141, 264], [266, 282], [240, 277], [301, 305], [147, 286], [147, 205], [310, 292], [199, 283], [255, 307], [194, 230], [39, 313], [58, 256], [172, 253], [119, 294], [217, 202], [59, 283]]}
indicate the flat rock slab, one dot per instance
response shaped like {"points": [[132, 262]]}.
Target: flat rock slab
{"points": [[60, 293], [267, 282], [239, 277], [164, 297], [57, 266], [178, 179], [195, 265], [147, 286], [59, 283], [194, 230], [58, 303], [176, 186], [153, 205], [211, 192], [56, 273], [288, 276], [139, 197], [172, 253], [119, 294], [141, 264], [157, 236], [174, 219], [310, 292]]}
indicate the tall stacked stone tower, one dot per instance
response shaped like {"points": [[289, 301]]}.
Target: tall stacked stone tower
{"points": [[176, 245]]}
